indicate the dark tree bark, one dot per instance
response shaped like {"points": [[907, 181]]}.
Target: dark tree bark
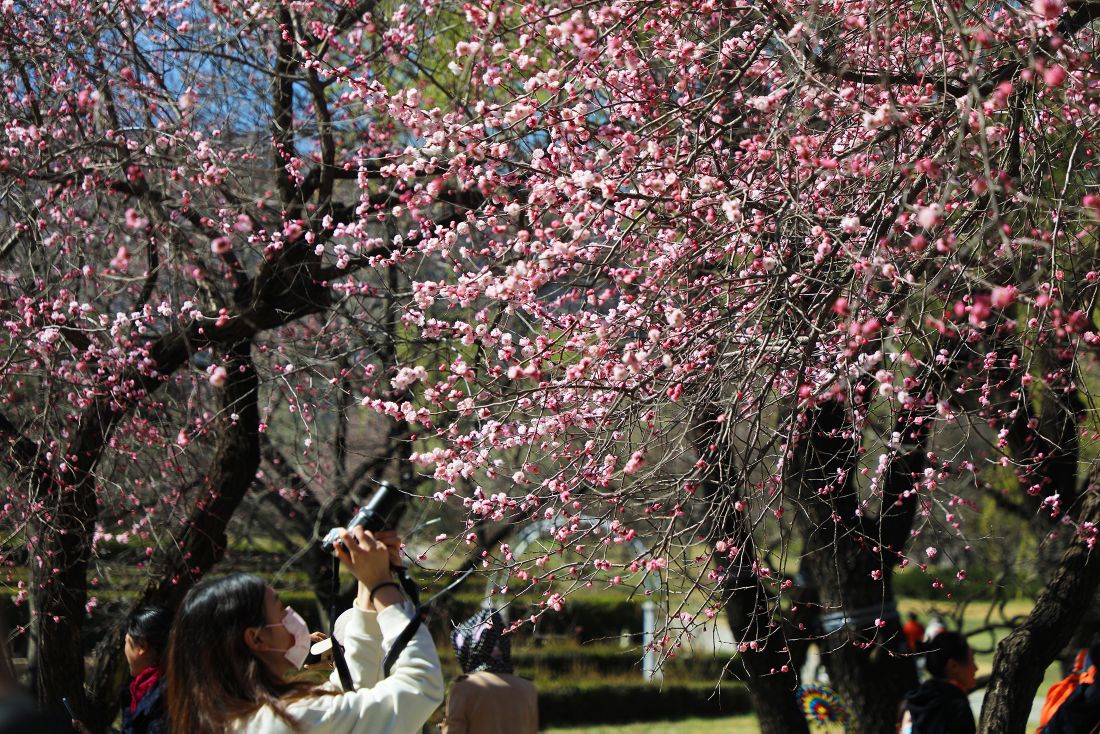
{"points": [[1024, 655], [1045, 443], [754, 616], [59, 593], [845, 550], [771, 675]]}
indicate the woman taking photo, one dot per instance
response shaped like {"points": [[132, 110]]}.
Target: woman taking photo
{"points": [[234, 644]]}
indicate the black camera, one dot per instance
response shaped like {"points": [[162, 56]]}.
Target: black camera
{"points": [[382, 513]]}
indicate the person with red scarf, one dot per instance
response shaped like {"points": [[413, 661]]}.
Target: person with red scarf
{"points": [[143, 702]]}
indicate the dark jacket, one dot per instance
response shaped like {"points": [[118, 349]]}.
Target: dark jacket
{"points": [[150, 716], [1078, 714], [939, 707]]}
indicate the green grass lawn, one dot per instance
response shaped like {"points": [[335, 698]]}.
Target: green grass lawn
{"points": [[732, 725]]}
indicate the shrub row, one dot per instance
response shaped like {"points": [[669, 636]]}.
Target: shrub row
{"points": [[587, 618], [621, 703], [584, 619], [547, 664], [557, 662]]}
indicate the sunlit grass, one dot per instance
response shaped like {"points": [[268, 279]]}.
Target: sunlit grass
{"points": [[731, 725]]}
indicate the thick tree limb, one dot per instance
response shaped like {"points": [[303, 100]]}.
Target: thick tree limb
{"points": [[284, 291], [1024, 655], [841, 559], [753, 614]]}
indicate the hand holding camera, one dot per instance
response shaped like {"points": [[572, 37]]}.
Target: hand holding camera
{"points": [[360, 546], [369, 557], [365, 555], [382, 513]]}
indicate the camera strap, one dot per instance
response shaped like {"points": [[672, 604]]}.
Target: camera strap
{"points": [[403, 639], [419, 616], [338, 658]]}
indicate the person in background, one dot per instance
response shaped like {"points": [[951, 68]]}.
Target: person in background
{"points": [[914, 632], [233, 646], [488, 698], [1072, 705], [143, 701], [143, 704], [939, 705]]}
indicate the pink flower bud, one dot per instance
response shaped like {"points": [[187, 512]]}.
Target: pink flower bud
{"points": [[929, 216], [1049, 9], [218, 376], [1054, 76], [1003, 296]]}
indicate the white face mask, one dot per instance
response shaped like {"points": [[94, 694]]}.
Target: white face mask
{"points": [[294, 624]]}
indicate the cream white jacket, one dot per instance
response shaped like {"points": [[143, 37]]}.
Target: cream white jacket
{"points": [[399, 704]]}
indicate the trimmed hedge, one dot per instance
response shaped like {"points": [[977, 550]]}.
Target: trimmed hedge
{"points": [[604, 660], [548, 665], [584, 618], [621, 703]]}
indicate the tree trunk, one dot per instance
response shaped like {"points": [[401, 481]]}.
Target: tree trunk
{"points": [[849, 559], [59, 565], [203, 541], [1024, 655], [865, 664], [59, 590], [755, 619], [771, 676]]}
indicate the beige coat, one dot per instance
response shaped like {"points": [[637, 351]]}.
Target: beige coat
{"points": [[492, 703], [399, 704]]}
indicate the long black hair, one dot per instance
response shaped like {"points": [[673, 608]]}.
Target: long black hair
{"points": [[213, 677], [151, 625]]}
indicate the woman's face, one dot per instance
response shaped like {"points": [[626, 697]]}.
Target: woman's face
{"points": [[268, 643]]}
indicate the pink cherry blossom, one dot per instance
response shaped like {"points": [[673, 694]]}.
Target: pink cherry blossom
{"points": [[1003, 296], [218, 376], [1047, 8]]}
